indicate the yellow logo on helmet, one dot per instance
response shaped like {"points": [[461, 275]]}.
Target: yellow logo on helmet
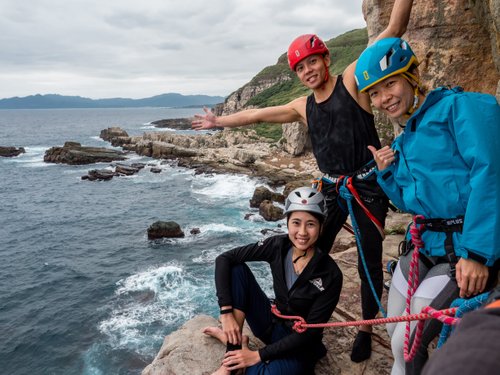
{"points": [[366, 75]]}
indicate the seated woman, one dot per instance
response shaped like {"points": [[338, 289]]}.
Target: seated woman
{"points": [[306, 281], [445, 168]]}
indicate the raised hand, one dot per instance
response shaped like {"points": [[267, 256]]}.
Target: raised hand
{"points": [[206, 121], [383, 157]]}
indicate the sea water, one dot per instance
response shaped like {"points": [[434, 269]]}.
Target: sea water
{"points": [[82, 289]]}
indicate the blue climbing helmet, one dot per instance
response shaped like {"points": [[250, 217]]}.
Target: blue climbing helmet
{"points": [[385, 58]]}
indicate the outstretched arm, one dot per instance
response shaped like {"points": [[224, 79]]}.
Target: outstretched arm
{"points": [[291, 112], [400, 15]]}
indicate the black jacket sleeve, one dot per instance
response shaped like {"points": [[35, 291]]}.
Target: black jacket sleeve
{"points": [[265, 250]]}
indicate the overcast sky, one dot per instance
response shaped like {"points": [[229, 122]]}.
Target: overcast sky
{"points": [[137, 49]]}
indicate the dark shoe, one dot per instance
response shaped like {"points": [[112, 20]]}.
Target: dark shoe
{"points": [[362, 347]]}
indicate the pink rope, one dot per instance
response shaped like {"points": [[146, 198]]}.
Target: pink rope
{"points": [[416, 237], [428, 312]]}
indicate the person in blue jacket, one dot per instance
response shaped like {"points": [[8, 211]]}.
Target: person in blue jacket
{"points": [[444, 167], [306, 282]]}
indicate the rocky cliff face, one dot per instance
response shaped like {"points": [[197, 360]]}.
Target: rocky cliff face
{"points": [[238, 99], [456, 41]]}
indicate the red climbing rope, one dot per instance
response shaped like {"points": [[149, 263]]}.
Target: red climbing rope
{"points": [[445, 316], [416, 237]]}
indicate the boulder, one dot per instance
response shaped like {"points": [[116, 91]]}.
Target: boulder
{"points": [[261, 193], [270, 212], [74, 153], [161, 229], [99, 175], [189, 351], [296, 137], [10, 151], [125, 170], [113, 132]]}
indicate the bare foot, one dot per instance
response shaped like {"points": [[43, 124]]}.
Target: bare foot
{"points": [[217, 333]]}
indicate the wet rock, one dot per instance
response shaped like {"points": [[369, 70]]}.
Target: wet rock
{"points": [[138, 165], [125, 170], [270, 212], [173, 123], [8, 152], [115, 135], [195, 231], [168, 229], [74, 153], [99, 175], [261, 193], [155, 170]]}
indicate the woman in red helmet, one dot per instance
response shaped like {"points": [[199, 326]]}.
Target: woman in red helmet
{"points": [[341, 126]]}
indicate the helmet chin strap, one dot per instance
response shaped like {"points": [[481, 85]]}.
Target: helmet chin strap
{"points": [[327, 72], [414, 82]]}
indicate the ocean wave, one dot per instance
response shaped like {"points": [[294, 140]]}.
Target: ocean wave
{"points": [[150, 302], [229, 188]]}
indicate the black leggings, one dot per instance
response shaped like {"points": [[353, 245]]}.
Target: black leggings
{"points": [[371, 241]]}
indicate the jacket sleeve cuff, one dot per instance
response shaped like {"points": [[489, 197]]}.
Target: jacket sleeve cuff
{"points": [[264, 356], [468, 254]]}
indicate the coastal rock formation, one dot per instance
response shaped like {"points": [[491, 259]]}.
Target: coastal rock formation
{"points": [[225, 151], [75, 154], [161, 229], [107, 174], [99, 175], [115, 135], [457, 42], [9, 152], [261, 193], [296, 137], [238, 99], [173, 123]]}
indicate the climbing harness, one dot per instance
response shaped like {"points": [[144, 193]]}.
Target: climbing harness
{"points": [[345, 187], [420, 224]]}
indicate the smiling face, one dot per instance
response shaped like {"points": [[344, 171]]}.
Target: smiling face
{"points": [[394, 96], [303, 230], [312, 70]]}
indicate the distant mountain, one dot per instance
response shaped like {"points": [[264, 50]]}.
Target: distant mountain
{"points": [[60, 101]]}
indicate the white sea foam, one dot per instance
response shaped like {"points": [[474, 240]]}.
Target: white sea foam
{"points": [[230, 188], [174, 298], [32, 158]]}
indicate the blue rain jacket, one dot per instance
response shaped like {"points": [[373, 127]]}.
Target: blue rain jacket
{"points": [[448, 165]]}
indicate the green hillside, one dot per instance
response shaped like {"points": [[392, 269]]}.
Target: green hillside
{"points": [[344, 49]]}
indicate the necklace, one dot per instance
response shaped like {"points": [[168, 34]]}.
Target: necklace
{"points": [[296, 268]]}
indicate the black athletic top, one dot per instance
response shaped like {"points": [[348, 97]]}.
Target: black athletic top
{"points": [[313, 296], [340, 132]]}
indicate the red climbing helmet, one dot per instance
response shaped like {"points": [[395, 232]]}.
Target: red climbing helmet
{"points": [[304, 46]]}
